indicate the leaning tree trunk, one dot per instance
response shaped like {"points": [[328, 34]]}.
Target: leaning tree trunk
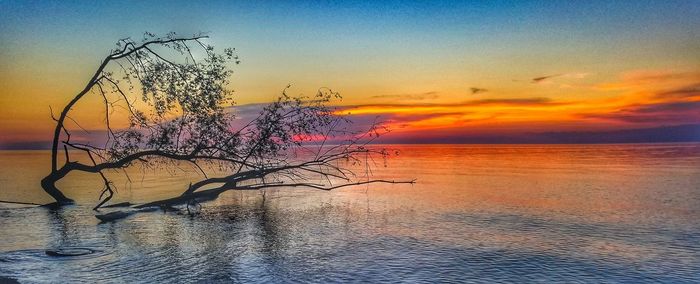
{"points": [[49, 182], [49, 185]]}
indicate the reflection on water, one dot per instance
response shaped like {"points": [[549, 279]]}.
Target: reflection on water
{"points": [[606, 213]]}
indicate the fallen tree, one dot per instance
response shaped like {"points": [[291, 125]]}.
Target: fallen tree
{"points": [[173, 90]]}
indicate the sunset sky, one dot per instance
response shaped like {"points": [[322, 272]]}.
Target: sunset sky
{"points": [[434, 72]]}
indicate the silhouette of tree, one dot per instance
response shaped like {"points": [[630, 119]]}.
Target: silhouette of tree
{"points": [[173, 90]]}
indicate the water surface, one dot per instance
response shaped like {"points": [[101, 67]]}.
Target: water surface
{"points": [[492, 214]]}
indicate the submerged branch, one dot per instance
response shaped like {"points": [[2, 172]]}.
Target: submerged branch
{"points": [[19, 202], [211, 194]]}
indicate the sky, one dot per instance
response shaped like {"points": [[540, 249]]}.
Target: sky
{"points": [[431, 71]]}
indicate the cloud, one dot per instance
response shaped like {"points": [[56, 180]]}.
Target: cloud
{"points": [[382, 108], [476, 90], [540, 79], [397, 120], [417, 97], [544, 79], [670, 107], [655, 75], [683, 92], [411, 117], [525, 101], [677, 133], [25, 145], [645, 80], [653, 97], [667, 113]]}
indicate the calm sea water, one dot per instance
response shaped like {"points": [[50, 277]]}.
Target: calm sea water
{"points": [[494, 214]]}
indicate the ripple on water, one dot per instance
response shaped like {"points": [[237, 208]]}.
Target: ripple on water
{"points": [[53, 254]]}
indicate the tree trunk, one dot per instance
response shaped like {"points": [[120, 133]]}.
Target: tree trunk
{"points": [[49, 185]]}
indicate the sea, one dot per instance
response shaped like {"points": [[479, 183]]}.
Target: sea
{"points": [[618, 213]]}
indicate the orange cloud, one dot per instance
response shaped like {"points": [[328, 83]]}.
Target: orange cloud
{"points": [[643, 99], [548, 78], [650, 80]]}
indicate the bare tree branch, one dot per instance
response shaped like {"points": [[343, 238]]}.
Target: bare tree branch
{"points": [[175, 104]]}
